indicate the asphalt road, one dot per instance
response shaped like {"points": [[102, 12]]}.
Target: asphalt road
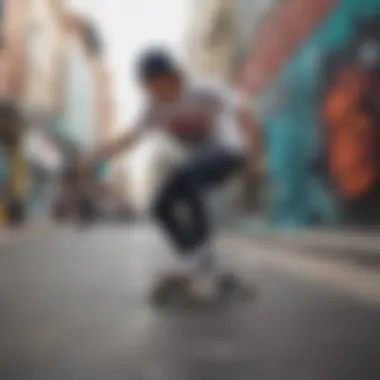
{"points": [[74, 307]]}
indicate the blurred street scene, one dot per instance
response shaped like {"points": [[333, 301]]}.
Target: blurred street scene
{"points": [[304, 228], [303, 82], [57, 103]]}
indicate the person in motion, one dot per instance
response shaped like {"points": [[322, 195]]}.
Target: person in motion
{"points": [[217, 133]]}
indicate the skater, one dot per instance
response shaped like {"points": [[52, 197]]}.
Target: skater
{"points": [[217, 133]]}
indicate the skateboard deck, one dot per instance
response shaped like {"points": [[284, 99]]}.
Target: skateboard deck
{"points": [[174, 290]]}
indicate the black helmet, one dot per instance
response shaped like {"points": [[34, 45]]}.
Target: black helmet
{"points": [[156, 62]]}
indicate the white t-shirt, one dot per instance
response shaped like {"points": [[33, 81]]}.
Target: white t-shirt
{"points": [[205, 114]]}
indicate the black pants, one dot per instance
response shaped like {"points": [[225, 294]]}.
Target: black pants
{"points": [[181, 206]]}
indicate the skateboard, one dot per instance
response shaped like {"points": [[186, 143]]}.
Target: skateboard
{"points": [[178, 291]]}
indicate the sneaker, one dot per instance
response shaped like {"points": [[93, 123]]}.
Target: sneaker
{"points": [[199, 268]]}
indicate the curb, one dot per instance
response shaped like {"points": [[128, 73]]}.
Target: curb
{"points": [[362, 249]]}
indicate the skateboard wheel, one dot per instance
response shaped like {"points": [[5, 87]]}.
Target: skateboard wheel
{"points": [[170, 293]]}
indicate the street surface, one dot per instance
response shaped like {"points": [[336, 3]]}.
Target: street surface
{"points": [[74, 307]]}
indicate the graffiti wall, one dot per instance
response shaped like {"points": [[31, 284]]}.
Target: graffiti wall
{"points": [[350, 115], [319, 112]]}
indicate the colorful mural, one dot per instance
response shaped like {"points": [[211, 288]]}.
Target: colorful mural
{"points": [[350, 115], [321, 161]]}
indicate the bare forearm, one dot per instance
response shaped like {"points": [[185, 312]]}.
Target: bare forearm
{"points": [[117, 147]]}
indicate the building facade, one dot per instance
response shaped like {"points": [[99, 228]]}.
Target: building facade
{"points": [[79, 97], [43, 40], [13, 25], [41, 99], [210, 41], [105, 105], [50, 71], [249, 16], [105, 109]]}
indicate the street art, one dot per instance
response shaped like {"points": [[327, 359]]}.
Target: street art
{"points": [[322, 141], [350, 119], [350, 135]]}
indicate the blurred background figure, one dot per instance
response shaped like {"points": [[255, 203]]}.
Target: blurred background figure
{"points": [[55, 78]]}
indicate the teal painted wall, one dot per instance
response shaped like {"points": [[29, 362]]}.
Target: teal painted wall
{"points": [[292, 130]]}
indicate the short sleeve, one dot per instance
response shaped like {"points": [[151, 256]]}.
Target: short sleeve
{"points": [[144, 121]]}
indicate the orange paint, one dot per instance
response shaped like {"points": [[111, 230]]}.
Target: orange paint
{"points": [[350, 138]]}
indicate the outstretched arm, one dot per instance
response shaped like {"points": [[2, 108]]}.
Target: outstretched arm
{"points": [[112, 149], [119, 145]]}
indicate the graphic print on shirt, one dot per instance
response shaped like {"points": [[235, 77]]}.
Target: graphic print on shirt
{"points": [[191, 128], [192, 121], [203, 113]]}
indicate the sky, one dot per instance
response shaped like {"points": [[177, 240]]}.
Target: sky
{"points": [[127, 26]]}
